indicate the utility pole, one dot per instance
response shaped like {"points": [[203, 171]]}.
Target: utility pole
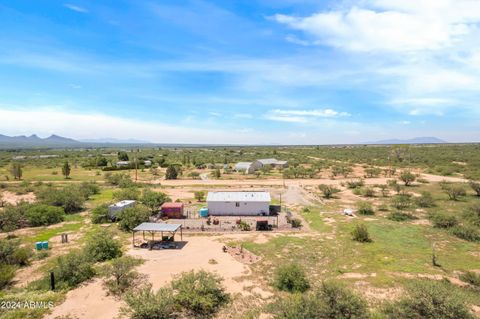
{"points": [[136, 167]]}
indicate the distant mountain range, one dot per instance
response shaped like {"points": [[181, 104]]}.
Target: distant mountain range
{"points": [[416, 140], [55, 141]]}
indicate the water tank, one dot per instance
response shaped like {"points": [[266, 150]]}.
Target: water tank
{"points": [[45, 245], [38, 245], [204, 212]]}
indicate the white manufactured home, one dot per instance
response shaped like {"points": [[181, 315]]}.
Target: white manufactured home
{"points": [[116, 208], [238, 203]]}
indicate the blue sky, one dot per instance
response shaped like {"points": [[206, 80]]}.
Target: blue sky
{"points": [[254, 72]]}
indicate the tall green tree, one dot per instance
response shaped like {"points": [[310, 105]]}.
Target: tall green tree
{"points": [[66, 169], [171, 173]]}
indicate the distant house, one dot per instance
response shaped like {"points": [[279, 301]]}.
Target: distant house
{"points": [[246, 167], [274, 163], [147, 163], [238, 203], [172, 210], [116, 208], [123, 164]]}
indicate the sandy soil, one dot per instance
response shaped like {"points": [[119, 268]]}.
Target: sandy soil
{"points": [[160, 266], [12, 198]]}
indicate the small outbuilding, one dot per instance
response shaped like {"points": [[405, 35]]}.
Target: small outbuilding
{"points": [[116, 208], [238, 203], [123, 164], [172, 210], [245, 167], [164, 229], [274, 163]]}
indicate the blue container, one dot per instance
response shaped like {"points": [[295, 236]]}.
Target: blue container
{"points": [[204, 212], [45, 245], [38, 245]]}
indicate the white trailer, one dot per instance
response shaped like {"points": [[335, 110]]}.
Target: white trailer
{"points": [[238, 203]]}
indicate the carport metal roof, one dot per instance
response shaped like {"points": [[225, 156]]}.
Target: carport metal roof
{"points": [[157, 227]]}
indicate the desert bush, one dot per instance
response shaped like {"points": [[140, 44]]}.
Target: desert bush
{"points": [[130, 193], [99, 214], [425, 200], [121, 180], [430, 300], [143, 303], [443, 220], [7, 273], [399, 216], [368, 192], [101, 246], [365, 208], [131, 217], [328, 190], [360, 234], [407, 177], [401, 202], [472, 278], [331, 300], [467, 232], [199, 196], [89, 188], [296, 223], [475, 186], [72, 269], [454, 192], [372, 172], [244, 226], [291, 278], [199, 294], [71, 197], [355, 183], [473, 215], [120, 274], [13, 217], [12, 254], [43, 215]]}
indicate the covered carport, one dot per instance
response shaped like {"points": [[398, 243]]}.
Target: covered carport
{"points": [[162, 228]]}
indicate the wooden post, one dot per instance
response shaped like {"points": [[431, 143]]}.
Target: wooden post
{"points": [[133, 239], [52, 280]]}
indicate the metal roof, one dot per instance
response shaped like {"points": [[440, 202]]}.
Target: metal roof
{"points": [[157, 227], [238, 197], [123, 203], [270, 161], [243, 165], [172, 204]]}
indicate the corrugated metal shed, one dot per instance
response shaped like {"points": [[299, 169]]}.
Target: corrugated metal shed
{"points": [[238, 197], [243, 166]]}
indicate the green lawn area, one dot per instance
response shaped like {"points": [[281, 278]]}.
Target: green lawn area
{"points": [[55, 174]]}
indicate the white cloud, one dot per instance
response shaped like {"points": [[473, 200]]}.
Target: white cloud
{"points": [[75, 8], [391, 25], [302, 116]]}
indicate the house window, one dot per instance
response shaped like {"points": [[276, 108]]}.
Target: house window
{"points": [[237, 204]]}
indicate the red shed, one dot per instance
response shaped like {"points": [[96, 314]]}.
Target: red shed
{"points": [[172, 210]]}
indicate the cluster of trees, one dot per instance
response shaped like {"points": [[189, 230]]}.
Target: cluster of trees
{"points": [[423, 299], [71, 197]]}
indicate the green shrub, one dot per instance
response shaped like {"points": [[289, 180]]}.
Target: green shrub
{"points": [[407, 177], [331, 300], [328, 190], [88, 189], [244, 226], [143, 303], [101, 246], [473, 215], [401, 202], [153, 200], [425, 200], [130, 193], [472, 278], [120, 276], [368, 192], [199, 294], [12, 254], [296, 223], [99, 214], [121, 180], [291, 278], [454, 192], [43, 215], [355, 183], [13, 217], [360, 234], [7, 272], [365, 208], [467, 232], [72, 269], [400, 216], [131, 217], [429, 299], [442, 220], [71, 197]]}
